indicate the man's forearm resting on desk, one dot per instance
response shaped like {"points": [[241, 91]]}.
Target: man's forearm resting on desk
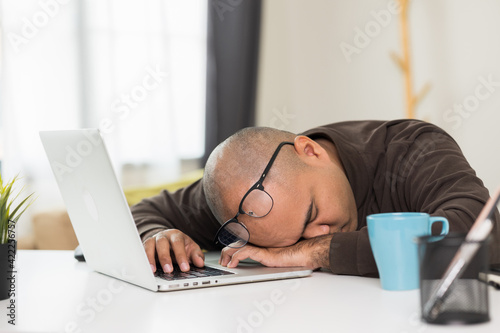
{"points": [[311, 253]]}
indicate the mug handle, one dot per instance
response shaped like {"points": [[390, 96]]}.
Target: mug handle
{"points": [[444, 220]]}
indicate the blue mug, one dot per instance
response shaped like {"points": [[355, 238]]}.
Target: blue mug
{"points": [[392, 239]]}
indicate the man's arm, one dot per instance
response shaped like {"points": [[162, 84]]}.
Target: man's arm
{"points": [[185, 209], [449, 187], [431, 175], [176, 223], [312, 253]]}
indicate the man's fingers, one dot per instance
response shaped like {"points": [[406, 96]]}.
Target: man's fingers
{"points": [[170, 245], [229, 254], [178, 245], [149, 248], [197, 257], [232, 257], [163, 251], [241, 254]]}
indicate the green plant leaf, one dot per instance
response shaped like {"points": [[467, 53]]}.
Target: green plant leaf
{"points": [[13, 216], [7, 198]]}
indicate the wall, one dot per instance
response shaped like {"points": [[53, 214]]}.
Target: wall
{"points": [[306, 79]]}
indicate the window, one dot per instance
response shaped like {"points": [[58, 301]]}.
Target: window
{"points": [[135, 69]]}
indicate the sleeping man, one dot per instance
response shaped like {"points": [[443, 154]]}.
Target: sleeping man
{"points": [[301, 200]]}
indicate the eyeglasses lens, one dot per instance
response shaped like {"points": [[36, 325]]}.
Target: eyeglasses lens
{"points": [[234, 234], [257, 203]]}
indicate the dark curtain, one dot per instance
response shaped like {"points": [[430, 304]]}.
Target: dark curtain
{"points": [[232, 62]]}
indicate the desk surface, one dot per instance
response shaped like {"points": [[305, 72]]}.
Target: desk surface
{"points": [[55, 293]]}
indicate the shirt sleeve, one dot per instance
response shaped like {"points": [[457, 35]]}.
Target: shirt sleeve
{"points": [[430, 175], [185, 209], [444, 184], [351, 254]]}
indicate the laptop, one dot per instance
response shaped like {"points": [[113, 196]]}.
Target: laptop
{"points": [[106, 229]]}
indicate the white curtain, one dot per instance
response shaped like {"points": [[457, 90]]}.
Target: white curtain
{"points": [[133, 68]]}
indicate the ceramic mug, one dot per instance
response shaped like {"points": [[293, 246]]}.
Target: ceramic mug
{"points": [[393, 242]]}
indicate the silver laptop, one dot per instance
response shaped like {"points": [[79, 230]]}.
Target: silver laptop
{"points": [[106, 230]]}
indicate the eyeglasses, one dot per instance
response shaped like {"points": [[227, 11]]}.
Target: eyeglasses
{"points": [[255, 203]]}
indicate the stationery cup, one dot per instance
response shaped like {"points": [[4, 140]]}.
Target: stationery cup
{"points": [[392, 239], [467, 298]]}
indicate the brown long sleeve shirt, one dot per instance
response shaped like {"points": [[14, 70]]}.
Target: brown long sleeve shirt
{"points": [[394, 166]]}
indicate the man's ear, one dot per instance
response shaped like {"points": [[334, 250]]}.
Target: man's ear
{"points": [[309, 150]]}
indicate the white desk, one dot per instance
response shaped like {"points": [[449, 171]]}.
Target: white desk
{"points": [[55, 293]]}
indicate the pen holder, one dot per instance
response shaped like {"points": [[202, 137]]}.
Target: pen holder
{"points": [[467, 299]]}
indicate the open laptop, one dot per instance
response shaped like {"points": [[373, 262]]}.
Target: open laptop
{"points": [[105, 227]]}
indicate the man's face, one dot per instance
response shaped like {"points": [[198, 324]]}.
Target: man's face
{"points": [[316, 202]]}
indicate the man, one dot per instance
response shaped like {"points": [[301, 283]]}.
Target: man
{"points": [[302, 200]]}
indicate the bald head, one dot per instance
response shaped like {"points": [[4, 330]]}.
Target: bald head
{"points": [[237, 163]]}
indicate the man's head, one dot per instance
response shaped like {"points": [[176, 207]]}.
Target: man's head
{"points": [[311, 194]]}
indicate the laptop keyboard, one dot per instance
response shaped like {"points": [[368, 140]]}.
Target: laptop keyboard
{"points": [[195, 272]]}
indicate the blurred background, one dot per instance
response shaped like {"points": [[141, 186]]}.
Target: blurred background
{"points": [[167, 80]]}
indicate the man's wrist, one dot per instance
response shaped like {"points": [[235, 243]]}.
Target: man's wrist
{"points": [[317, 250]]}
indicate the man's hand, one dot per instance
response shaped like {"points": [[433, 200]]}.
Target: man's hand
{"points": [[312, 253], [173, 245]]}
